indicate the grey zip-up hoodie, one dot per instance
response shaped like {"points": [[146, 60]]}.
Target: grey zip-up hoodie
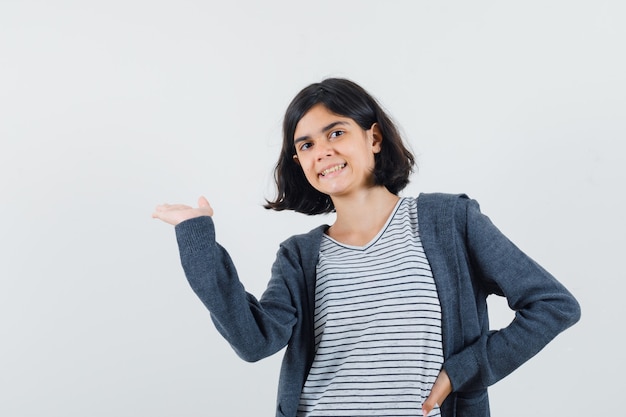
{"points": [[470, 259]]}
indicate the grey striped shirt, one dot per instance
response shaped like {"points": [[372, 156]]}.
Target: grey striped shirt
{"points": [[377, 325]]}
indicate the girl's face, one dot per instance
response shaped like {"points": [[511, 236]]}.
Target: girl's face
{"points": [[335, 153]]}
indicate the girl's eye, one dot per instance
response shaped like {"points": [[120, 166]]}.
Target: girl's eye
{"points": [[336, 133], [305, 146]]}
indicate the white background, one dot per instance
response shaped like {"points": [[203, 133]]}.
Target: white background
{"points": [[108, 108]]}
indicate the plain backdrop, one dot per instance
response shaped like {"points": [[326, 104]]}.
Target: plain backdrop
{"points": [[108, 108]]}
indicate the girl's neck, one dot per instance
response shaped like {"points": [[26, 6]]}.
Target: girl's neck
{"points": [[360, 217]]}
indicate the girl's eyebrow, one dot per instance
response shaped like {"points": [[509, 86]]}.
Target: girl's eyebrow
{"points": [[323, 130]]}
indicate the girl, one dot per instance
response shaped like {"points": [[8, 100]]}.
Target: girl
{"points": [[384, 312]]}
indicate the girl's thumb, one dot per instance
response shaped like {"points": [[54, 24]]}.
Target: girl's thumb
{"points": [[203, 202]]}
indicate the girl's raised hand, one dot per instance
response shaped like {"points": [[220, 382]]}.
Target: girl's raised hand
{"points": [[177, 213]]}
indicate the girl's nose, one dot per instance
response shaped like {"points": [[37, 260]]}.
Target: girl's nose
{"points": [[324, 151]]}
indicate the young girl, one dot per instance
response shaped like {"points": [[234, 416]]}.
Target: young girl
{"points": [[384, 312]]}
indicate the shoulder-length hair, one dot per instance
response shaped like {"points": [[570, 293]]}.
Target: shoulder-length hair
{"points": [[393, 164]]}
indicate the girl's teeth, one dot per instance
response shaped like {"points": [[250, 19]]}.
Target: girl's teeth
{"points": [[333, 169]]}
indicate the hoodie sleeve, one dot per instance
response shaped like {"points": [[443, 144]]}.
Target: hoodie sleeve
{"points": [[543, 306], [254, 328]]}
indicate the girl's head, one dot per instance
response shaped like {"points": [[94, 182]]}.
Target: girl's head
{"points": [[393, 164]]}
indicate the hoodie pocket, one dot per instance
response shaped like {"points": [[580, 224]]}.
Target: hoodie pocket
{"points": [[472, 404]]}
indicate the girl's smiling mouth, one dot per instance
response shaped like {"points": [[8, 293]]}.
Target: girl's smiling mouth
{"points": [[332, 169]]}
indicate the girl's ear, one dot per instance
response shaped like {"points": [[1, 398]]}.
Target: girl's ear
{"points": [[295, 159], [377, 137]]}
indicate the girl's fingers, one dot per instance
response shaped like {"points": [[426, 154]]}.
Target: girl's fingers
{"points": [[171, 207], [439, 392]]}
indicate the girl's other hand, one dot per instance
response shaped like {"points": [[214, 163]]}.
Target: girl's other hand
{"points": [[177, 213], [440, 391]]}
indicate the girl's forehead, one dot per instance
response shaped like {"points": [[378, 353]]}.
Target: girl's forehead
{"points": [[316, 118]]}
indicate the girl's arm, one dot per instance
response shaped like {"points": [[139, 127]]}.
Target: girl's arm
{"points": [[543, 306], [255, 329]]}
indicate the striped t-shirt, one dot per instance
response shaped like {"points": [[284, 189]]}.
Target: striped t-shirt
{"points": [[377, 325]]}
